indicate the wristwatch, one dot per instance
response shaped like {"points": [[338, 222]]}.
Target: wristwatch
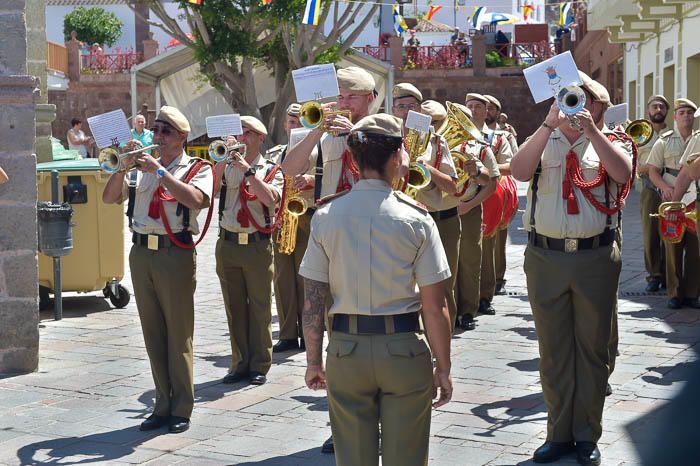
{"points": [[544, 123], [160, 173], [249, 172]]}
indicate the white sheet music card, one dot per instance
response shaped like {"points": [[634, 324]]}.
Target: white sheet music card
{"points": [[296, 135], [224, 125], [547, 78], [107, 127], [315, 82], [418, 121], [616, 115]]}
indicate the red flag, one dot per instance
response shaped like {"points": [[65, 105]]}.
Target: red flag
{"points": [[195, 2], [433, 9], [527, 11], [265, 2]]}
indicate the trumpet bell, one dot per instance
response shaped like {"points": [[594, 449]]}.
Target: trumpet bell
{"points": [[571, 100], [217, 150], [109, 160], [311, 114], [641, 131]]}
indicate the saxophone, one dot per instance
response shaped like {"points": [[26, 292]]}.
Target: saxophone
{"points": [[294, 206]]}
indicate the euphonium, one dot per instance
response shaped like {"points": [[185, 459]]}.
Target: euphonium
{"points": [[418, 174], [294, 206], [458, 127], [219, 150], [111, 161], [312, 115], [460, 159], [640, 131]]}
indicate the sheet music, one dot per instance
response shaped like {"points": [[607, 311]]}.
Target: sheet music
{"points": [[315, 82], [616, 115], [224, 125], [108, 127], [296, 135], [418, 121], [545, 79]]}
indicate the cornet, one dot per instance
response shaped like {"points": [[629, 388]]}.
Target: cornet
{"points": [[219, 150], [312, 115], [571, 100], [111, 161]]}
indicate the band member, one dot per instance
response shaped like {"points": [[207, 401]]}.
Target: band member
{"points": [[378, 254], [682, 260], [500, 146], [649, 198], [251, 190], [437, 112], [572, 265], [163, 273], [504, 125], [289, 286]]}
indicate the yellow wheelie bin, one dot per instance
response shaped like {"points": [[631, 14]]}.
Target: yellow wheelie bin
{"points": [[97, 259]]}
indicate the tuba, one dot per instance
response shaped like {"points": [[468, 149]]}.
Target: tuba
{"points": [[218, 150], [312, 115], [111, 161], [294, 206], [640, 131]]}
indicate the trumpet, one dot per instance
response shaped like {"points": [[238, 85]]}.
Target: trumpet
{"points": [[571, 100], [111, 161], [219, 150], [312, 116], [640, 131]]}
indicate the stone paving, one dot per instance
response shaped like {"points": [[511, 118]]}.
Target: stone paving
{"points": [[94, 387]]}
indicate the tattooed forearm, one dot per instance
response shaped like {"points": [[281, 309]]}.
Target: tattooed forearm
{"points": [[315, 298]]}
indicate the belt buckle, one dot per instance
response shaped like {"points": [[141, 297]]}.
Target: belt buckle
{"points": [[242, 239], [153, 242], [570, 245]]}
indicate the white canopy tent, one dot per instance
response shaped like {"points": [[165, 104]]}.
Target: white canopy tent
{"points": [[176, 77]]}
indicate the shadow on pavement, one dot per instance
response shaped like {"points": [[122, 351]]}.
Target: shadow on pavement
{"points": [[519, 409], [301, 458]]}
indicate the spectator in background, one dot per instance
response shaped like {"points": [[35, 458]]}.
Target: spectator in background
{"points": [[3, 176], [455, 36], [141, 133], [502, 43], [412, 47], [77, 139], [462, 49]]}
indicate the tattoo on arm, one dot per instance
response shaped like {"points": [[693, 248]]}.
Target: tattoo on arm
{"points": [[313, 318]]}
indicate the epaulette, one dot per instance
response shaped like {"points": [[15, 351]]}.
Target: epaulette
{"points": [[666, 134], [326, 199], [274, 152], [410, 201]]}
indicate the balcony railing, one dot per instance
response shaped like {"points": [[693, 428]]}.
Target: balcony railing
{"points": [[109, 63], [57, 57]]}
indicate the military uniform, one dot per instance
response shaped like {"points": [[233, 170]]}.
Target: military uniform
{"points": [[649, 200], [690, 156], [682, 260], [164, 280]]}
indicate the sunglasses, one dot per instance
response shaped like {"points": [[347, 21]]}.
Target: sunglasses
{"points": [[161, 129]]}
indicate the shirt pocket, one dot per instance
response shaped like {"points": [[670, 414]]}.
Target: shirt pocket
{"points": [[589, 168], [550, 176]]}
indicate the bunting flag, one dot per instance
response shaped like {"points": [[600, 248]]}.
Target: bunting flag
{"points": [[431, 12], [195, 2], [478, 11], [312, 12], [498, 18], [265, 2], [566, 14], [527, 11], [399, 23]]}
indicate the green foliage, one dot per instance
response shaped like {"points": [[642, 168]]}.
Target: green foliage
{"points": [[493, 59], [93, 25]]}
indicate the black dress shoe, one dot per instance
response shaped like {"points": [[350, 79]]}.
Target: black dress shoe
{"points": [[328, 446], [153, 422], [691, 302], [256, 378], [235, 377], [285, 345], [653, 285], [552, 451], [674, 303], [178, 424], [485, 307], [608, 390], [302, 345], [501, 289], [587, 453], [466, 322]]}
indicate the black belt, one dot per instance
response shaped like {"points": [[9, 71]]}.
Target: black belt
{"points": [[444, 214], [310, 212], [251, 237], [163, 240], [572, 244], [672, 171], [376, 325]]}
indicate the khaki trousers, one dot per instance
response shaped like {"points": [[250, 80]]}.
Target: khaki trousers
{"points": [[289, 285], [450, 232], [164, 283], [654, 260], [573, 298], [375, 379], [487, 284], [683, 267], [500, 256], [245, 273], [469, 269]]}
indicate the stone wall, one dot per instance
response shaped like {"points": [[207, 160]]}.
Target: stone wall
{"points": [[19, 308]]}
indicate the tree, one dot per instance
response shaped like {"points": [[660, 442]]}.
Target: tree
{"points": [[233, 37], [93, 25]]}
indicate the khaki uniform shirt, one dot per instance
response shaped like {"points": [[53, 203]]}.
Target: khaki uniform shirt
{"points": [[474, 149], [432, 197], [332, 148], [276, 155], [146, 185], [234, 177], [504, 152], [551, 217], [643, 153], [509, 136], [667, 153], [692, 149], [373, 246]]}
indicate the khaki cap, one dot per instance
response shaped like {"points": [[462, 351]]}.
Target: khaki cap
{"points": [[661, 99], [475, 96], [493, 101], [505, 115], [464, 108], [435, 109], [174, 118], [406, 90], [293, 109], [682, 102], [597, 90], [382, 124], [355, 79], [254, 124]]}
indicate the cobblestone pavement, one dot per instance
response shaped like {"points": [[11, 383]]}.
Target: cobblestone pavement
{"points": [[94, 385]]}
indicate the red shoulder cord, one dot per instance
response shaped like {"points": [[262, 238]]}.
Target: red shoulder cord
{"points": [[349, 166], [482, 154], [438, 155], [160, 197], [244, 196], [574, 177]]}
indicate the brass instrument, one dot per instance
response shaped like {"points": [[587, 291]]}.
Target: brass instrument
{"points": [[418, 174], [460, 159], [673, 231], [458, 127], [312, 115], [219, 150], [112, 161], [294, 206], [571, 100], [640, 131]]}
